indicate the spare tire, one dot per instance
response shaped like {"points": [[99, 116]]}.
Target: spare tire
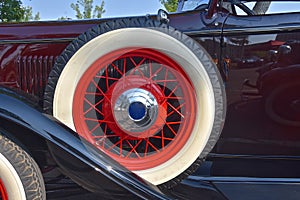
{"points": [[144, 93]]}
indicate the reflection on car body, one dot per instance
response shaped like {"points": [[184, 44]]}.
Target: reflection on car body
{"points": [[140, 115]]}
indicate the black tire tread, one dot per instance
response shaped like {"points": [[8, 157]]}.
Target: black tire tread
{"points": [[26, 168]]}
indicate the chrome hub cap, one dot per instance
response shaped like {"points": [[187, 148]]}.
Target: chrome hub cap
{"points": [[135, 111]]}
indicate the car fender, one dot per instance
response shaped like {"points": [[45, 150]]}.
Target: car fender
{"points": [[79, 160]]}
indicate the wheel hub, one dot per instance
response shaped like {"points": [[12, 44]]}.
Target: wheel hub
{"points": [[135, 111]]}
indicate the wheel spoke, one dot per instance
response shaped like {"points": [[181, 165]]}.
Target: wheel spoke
{"points": [[109, 78], [165, 83], [117, 143], [125, 67], [104, 136], [174, 123], [116, 68], [156, 72], [147, 146], [171, 129], [106, 79], [162, 138], [93, 94], [136, 66], [105, 129], [150, 70], [134, 148], [100, 90], [97, 126], [98, 120], [173, 91], [175, 98], [154, 147], [141, 73], [176, 109], [92, 106], [101, 142]]}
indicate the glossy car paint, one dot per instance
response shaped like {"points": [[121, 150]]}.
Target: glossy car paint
{"points": [[78, 159], [257, 73], [263, 92], [252, 53]]}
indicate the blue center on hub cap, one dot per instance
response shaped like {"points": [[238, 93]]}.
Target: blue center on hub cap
{"points": [[137, 111]]}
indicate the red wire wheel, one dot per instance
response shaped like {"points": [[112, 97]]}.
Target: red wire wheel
{"points": [[137, 105], [144, 93], [3, 191]]}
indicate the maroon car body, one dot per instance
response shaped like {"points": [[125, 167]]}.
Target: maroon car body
{"points": [[257, 56]]}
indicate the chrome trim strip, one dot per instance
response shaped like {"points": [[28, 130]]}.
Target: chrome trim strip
{"points": [[37, 41], [261, 157], [245, 179], [260, 30], [245, 30], [210, 32]]}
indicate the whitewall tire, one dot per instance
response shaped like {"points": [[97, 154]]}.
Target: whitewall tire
{"points": [[144, 93]]}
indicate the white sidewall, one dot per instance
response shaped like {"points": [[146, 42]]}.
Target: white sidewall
{"points": [[154, 39], [11, 180]]}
